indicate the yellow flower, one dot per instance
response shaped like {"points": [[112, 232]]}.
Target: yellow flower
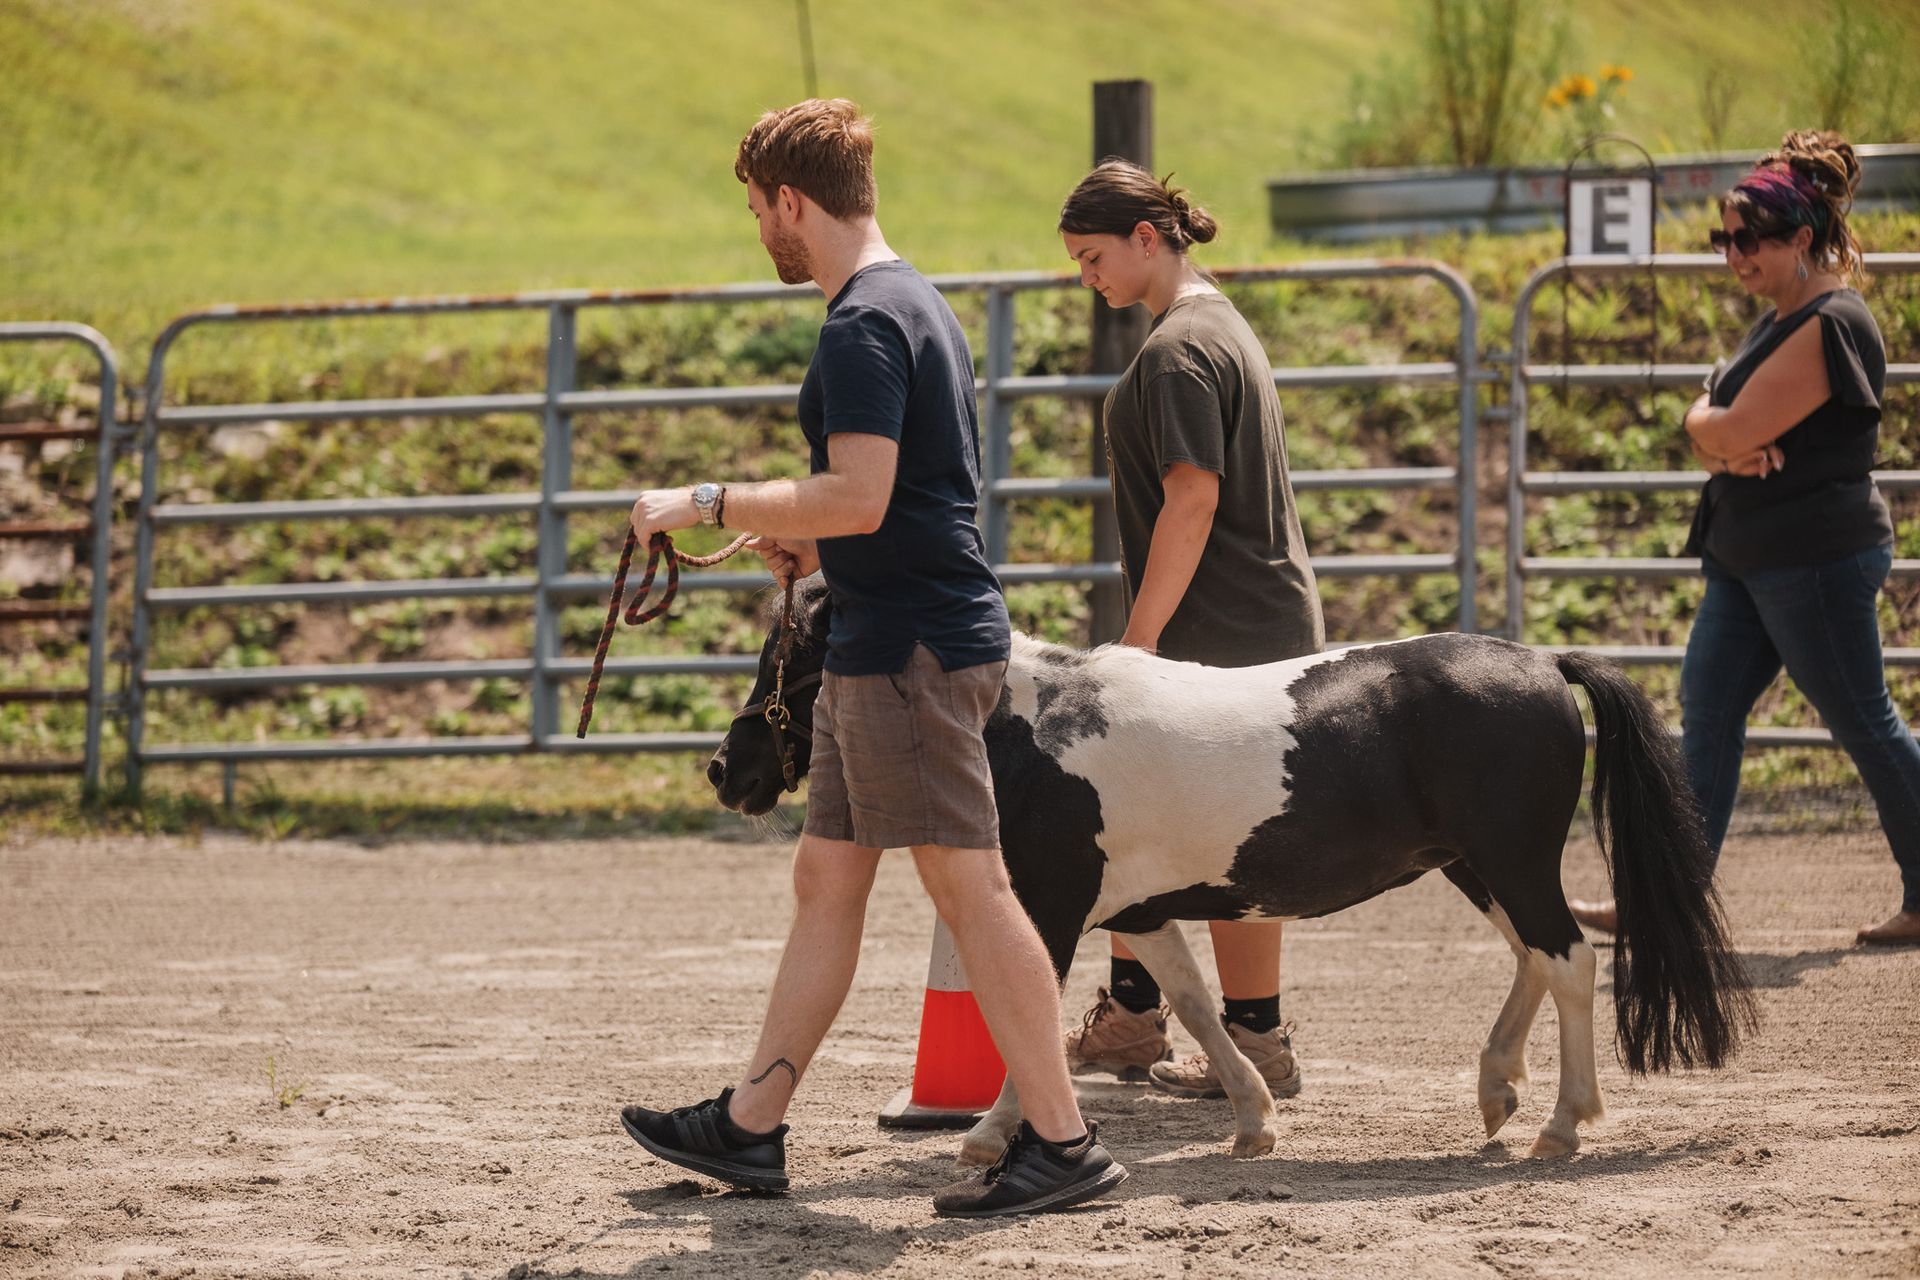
{"points": [[1556, 97], [1581, 86], [1615, 74]]}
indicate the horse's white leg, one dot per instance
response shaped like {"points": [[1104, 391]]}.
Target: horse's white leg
{"points": [[1570, 979], [1170, 960], [1503, 1062], [991, 1133]]}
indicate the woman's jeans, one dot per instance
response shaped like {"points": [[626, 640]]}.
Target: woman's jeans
{"points": [[1819, 621]]}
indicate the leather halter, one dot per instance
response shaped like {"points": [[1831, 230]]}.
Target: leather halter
{"points": [[773, 708]]}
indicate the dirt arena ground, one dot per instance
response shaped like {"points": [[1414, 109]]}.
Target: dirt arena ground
{"points": [[453, 1026]]}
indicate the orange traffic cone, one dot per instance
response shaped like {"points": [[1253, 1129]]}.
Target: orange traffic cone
{"points": [[957, 1072]]}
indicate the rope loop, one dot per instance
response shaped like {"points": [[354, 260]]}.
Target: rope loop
{"points": [[638, 614]]}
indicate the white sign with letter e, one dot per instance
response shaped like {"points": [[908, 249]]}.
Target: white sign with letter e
{"points": [[1609, 217]]}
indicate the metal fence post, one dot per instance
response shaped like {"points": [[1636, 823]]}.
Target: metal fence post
{"points": [[1466, 478], [143, 550], [998, 415], [1469, 458], [106, 447], [1517, 457], [556, 476]]}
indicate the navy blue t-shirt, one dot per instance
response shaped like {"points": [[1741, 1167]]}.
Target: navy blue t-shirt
{"points": [[894, 362]]}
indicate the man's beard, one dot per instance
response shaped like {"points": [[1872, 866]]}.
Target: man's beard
{"points": [[790, 261]]}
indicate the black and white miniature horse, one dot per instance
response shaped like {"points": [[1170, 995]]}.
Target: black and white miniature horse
{"points": [[1135, 791]]}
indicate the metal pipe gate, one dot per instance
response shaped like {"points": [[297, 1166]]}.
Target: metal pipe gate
{"points": [[999, 389], [550, 586], [106, 437], [1521, 482]]}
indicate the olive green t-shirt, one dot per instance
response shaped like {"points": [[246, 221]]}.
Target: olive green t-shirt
{"points": [[1201, 392]]}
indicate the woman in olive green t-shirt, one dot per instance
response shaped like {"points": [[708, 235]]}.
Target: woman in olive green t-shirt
{"points": [[1211, 544]]}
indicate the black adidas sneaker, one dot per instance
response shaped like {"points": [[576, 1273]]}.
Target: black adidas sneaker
{"points": [[1034, 1176], [705, 1139]]}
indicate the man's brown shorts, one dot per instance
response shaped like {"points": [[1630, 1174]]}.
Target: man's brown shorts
{"points": [[899, 760]]}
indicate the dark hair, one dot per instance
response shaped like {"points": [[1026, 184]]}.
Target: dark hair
{"points": [[1808, 181], [1119, 195], [822, 148]]}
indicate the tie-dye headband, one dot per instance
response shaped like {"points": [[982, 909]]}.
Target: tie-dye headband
{"points": [[1785, 195]]}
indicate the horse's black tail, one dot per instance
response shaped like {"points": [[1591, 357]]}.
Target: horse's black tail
{"points": [[1679, 992]]}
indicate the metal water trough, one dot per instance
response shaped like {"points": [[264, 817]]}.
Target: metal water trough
{"points": [[1373, 204]]}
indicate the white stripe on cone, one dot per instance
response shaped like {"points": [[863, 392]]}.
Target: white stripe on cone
{"points": [[944, 971]]}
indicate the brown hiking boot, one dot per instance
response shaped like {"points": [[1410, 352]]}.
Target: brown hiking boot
{"points": [[1271, 1053], [1601, 917], [1116, 1039]]}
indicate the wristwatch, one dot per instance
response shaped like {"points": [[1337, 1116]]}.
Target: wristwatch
{"points": [[706, 500]]}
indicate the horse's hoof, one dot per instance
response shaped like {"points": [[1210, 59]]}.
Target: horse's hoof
{"points": [[1554, 1146], [1249, 1146], [1497, 1106]]}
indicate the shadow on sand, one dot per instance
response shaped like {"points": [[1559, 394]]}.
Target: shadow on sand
{"points": [[815, 1227], [1771, 972]]}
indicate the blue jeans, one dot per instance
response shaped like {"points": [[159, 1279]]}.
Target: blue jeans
{"points": [[1819, 621]]}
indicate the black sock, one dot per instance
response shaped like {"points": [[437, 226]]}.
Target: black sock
{"points": [[1133, 986], [1257, 1016], [1064, 1147]]}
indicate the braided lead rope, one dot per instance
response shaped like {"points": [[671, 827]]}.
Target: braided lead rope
{"points": [[636, 614], [789, 628]]}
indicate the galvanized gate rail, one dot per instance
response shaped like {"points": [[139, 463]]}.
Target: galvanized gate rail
{"points": [[1000, 389], [550, 586], [1522, 483], [105, 435]]}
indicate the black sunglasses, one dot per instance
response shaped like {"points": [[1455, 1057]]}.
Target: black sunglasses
{"points": [[1746, 240]]}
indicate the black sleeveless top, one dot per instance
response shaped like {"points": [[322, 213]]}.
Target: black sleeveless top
{"points": [[1822, 504]]}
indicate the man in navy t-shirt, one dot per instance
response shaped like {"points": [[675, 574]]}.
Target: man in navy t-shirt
{"points": [[893, 363], [916, 653]]}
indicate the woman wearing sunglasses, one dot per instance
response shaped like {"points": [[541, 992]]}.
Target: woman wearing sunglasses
{"points": [[1793, 535], [1214, 556]]}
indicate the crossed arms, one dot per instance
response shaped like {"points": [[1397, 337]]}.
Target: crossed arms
{"points": [[1789, 384]]}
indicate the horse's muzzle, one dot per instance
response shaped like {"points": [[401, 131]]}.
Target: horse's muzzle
{"points": [[743, 791]]}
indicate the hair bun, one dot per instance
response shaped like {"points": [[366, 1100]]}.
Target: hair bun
{"points": [[1197, 223], [1823, 158], [1119, 195], [1826, 168]]}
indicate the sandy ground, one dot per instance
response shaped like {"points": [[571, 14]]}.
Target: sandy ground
{"points": [[461, 1021]]}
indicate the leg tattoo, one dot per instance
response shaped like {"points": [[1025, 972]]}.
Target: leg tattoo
{"points": [[778, 1062]]}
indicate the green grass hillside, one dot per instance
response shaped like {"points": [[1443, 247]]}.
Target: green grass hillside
{"points": [[164, 154]]}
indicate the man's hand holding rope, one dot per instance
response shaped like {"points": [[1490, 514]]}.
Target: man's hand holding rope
{"points": [[787, 559]]}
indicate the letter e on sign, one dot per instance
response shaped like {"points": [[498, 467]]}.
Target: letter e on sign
{"points": [[1609, 217]]}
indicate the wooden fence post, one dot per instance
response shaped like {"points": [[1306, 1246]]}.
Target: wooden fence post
{"points": [[1122, 127]]}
